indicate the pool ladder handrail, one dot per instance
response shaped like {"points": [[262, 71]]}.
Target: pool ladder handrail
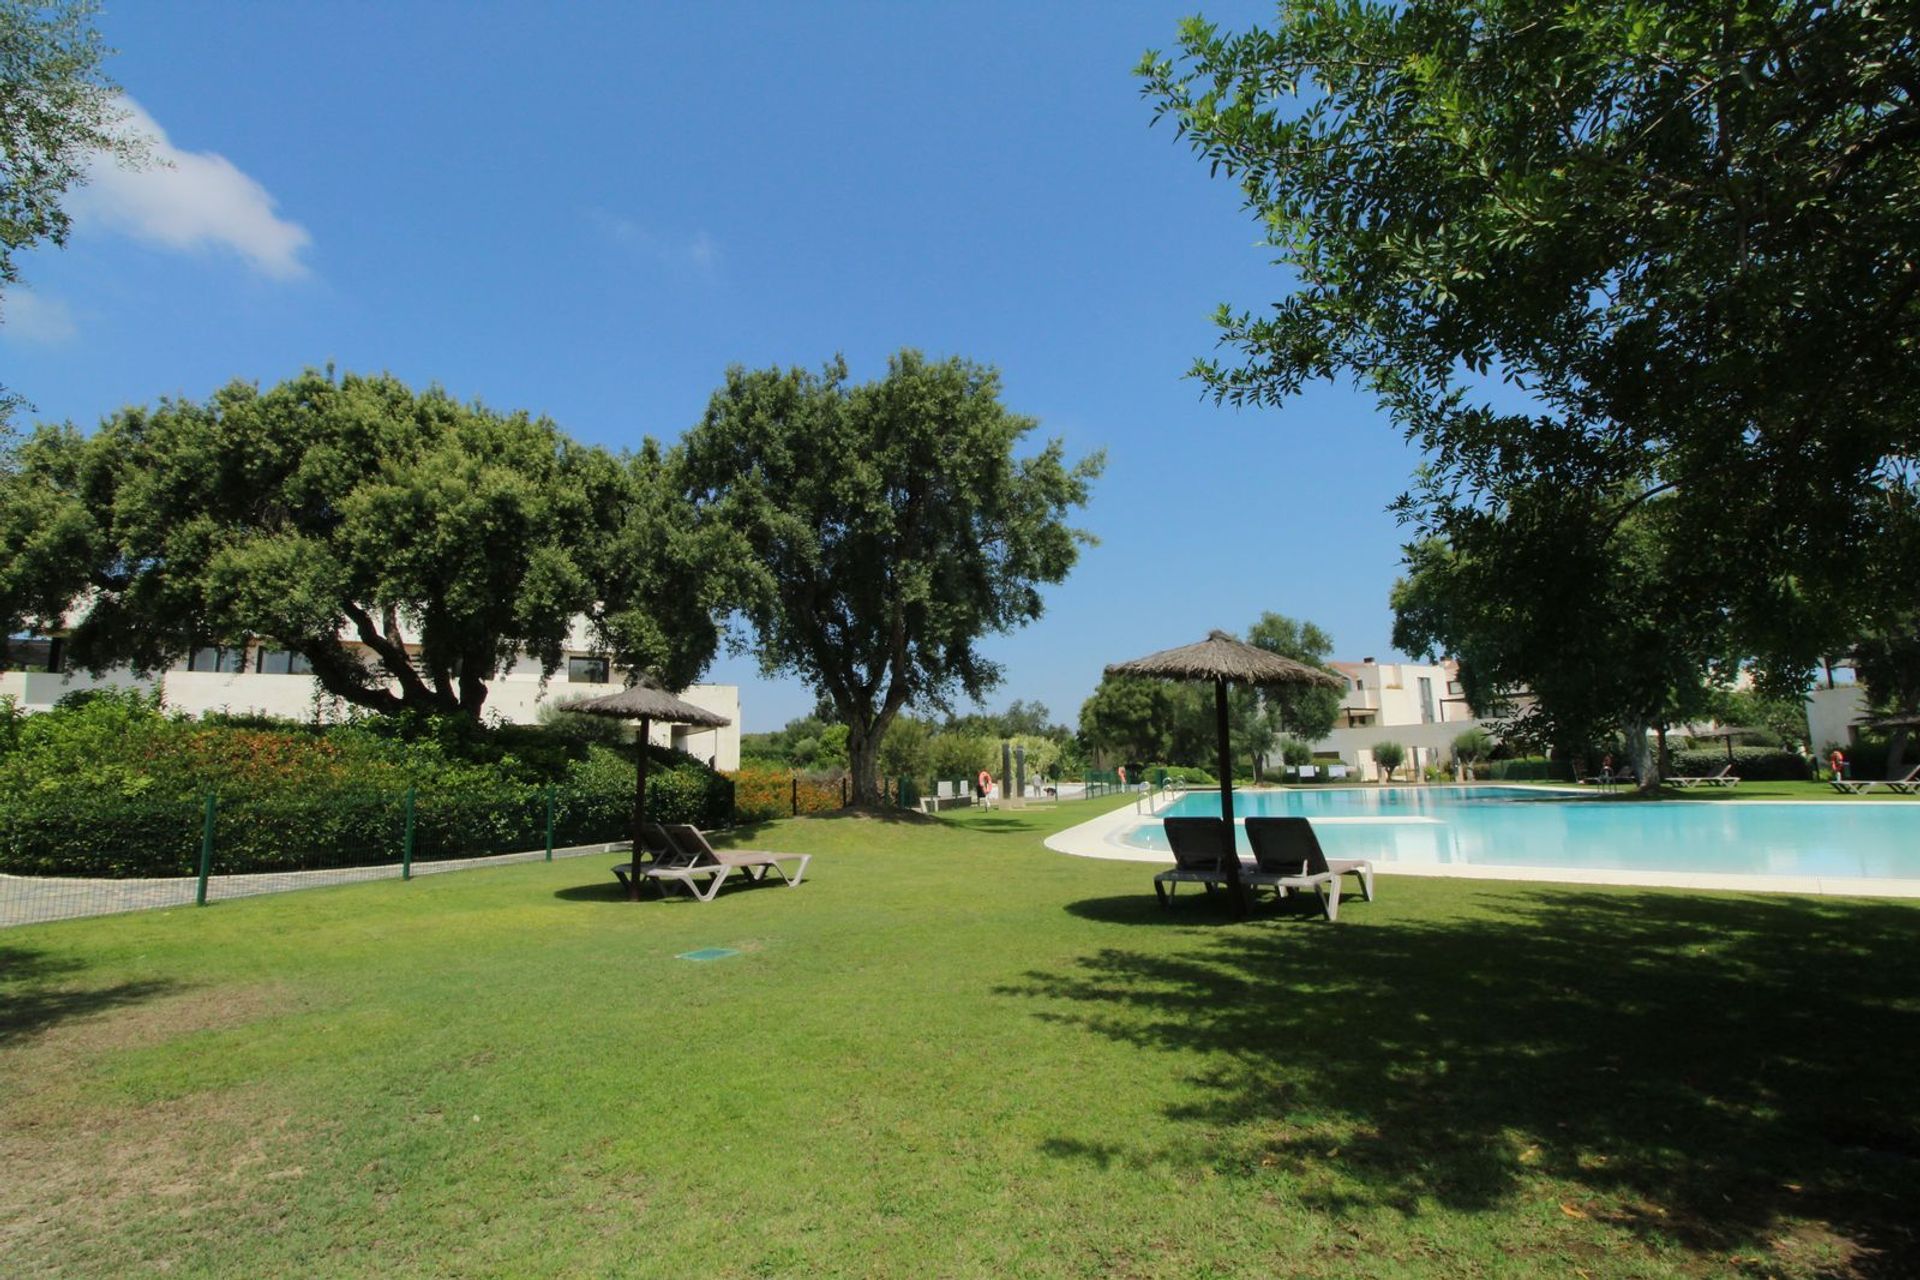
{"points": [[1153, 794]]}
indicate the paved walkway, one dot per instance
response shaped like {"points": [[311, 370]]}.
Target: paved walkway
{"points": [[39, 899]]}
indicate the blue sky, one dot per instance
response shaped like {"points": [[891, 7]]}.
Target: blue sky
{"points": [[590, 211]]}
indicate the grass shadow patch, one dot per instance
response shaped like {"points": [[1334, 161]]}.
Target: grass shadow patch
{"points": [[611, 891], [1705, 1071], [38, 994]]}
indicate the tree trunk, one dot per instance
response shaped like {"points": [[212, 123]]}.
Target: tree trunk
{"points": [[1897, 753], [862, 764], [1637, 756]]}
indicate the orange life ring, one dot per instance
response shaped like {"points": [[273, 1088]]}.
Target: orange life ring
{"points": [[986, 782]]}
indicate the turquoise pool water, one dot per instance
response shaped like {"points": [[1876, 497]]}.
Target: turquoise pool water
{"points": [[1522, 827]]}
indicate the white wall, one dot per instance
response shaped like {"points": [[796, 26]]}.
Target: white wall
{"points": [[520, 701], [1391, 690], [40, 690], [1831, 714], [516, 698], [241, 693], [1435, 740]]}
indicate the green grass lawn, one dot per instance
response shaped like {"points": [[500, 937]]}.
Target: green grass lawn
{"points": [[953, 1053]]}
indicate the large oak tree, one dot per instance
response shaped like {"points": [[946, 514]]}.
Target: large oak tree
{"points": [[1685, 237], [884, 528], [408, 545], [58, 110]]}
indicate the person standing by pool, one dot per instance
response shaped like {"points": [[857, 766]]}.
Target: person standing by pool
{"points": [[1838, 762], [986, 789]]}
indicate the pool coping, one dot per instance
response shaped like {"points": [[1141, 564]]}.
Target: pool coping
{"points": [[1098, 838]]}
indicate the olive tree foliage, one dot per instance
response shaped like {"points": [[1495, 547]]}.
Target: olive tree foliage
{"points": [[882, 530], [1260, 717], [1600, 254], [1128, 718], [1389, 755], [1570, 639], [408, 545], [58, 110], [1886, 649], [907, 750]]}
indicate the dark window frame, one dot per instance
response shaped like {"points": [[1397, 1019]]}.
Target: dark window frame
{"points": [[604, 666]]}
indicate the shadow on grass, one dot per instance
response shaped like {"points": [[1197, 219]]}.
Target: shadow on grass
{"points": [[1199, 907], [29, 1006], [611, 891], [1706, 1069]]}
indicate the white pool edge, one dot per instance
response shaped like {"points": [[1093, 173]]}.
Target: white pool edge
{"points": [[1099, 838]]}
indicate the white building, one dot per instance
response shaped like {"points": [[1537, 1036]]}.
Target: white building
{"points": [[257, 678], [1419, 705], [1834, 713]]}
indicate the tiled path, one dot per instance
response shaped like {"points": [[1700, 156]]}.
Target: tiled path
{"points": [[39, 899]]}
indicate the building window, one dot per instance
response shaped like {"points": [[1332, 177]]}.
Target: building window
{"points": [[1360, 686], [1426, 700], [217, 658], [588, 671], [282, 662], [1453, 689], [27, 653]]}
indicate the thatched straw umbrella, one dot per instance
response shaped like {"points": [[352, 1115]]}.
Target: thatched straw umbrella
{"points": [[646, 702], [1904, 720], [1224, 660]]}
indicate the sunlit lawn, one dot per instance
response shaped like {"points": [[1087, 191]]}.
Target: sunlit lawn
{"points": [[953, 1053]]}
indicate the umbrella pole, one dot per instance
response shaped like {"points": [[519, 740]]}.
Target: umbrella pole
{"points": [[639, 803], [1232, 853]]}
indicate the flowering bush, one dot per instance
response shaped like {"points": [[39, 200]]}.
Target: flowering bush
{"points": [[112, 786]]}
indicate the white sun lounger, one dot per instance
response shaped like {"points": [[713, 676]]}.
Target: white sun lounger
{"points": [[1909, 785], [1198, 845], [1289, 847]]}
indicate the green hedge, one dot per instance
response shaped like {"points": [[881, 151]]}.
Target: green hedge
{"points": [[114, 788], [116, 837], [1756, 764], [1529, 769]]}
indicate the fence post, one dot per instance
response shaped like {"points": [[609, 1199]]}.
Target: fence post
{"points": [[550, 791], [206, 852], [406, 842], [794, 802]]}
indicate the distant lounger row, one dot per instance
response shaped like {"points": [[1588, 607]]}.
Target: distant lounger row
{"points": [[1907, 786], [1724, 776]]}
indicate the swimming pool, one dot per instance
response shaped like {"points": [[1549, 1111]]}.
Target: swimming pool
{"points": [[1415, 828]]}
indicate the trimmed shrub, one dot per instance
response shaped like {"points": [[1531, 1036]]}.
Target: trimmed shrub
{"points": [[1389, 756], [1755, 764], [1530, 769], [115, 788]]}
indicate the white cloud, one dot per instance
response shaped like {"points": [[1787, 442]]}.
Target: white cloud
{"points": [[32, 317], [190, 200], [701, 252]]}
